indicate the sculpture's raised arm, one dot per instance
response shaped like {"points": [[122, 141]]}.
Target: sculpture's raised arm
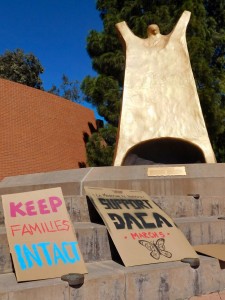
{"points": [[181, 26], [124, 32]]}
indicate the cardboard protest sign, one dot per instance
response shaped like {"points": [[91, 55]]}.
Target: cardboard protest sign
{"points": [[213, 250], [140, 230], [41, 237]]}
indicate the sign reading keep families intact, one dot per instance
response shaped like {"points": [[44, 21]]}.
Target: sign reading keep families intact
{"points": [[41, 237], [140, 230]]}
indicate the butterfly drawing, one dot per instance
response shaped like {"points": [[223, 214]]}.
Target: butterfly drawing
{"points": [[156, 248]]}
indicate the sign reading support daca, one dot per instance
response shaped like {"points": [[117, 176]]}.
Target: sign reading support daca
{"points": [[41, 237], [140, 230]]}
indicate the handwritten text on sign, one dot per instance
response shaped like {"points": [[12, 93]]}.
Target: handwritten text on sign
{"points": [[141, 231], [40, 234], [127, 220]]}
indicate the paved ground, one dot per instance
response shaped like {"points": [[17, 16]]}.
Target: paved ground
{"points": [[213, 296]]}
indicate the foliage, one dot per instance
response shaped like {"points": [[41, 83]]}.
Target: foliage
{"points": [[206, 43], [26, 69], [22, 68], [100, 146], [68, 89]]}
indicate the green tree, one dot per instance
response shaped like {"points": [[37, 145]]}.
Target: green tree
{"points": [[206, 43], [100, 146], [68, 89], [22, 68]]}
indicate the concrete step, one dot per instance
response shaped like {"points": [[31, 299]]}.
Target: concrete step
{"points": [[203, 179], [109, 280], [191, 206], [76, 206], [92, 239], [202, 230], [95, 246], [212, 296], [174, 206]]}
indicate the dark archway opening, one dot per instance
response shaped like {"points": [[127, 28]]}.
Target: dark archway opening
{"points": [[164, 151]]}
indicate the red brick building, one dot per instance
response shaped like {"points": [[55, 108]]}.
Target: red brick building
{"points": [[39, 131]]}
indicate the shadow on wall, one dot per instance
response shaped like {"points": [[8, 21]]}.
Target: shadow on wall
{"points": [[164, 151]]}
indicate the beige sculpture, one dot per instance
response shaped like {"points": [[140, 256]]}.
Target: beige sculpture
{"points": [[161, 119]]}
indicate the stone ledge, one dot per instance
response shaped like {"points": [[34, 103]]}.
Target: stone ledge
{"points": [[188, 206], [51, 289], [204, 179], [92, 239], [174, 206], [202, 230], [109, 280]]}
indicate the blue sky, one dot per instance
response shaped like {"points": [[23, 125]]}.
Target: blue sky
{"points": [[55, 31]]}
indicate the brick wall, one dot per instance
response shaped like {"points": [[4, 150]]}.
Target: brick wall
{"points": [[40, 132]]}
